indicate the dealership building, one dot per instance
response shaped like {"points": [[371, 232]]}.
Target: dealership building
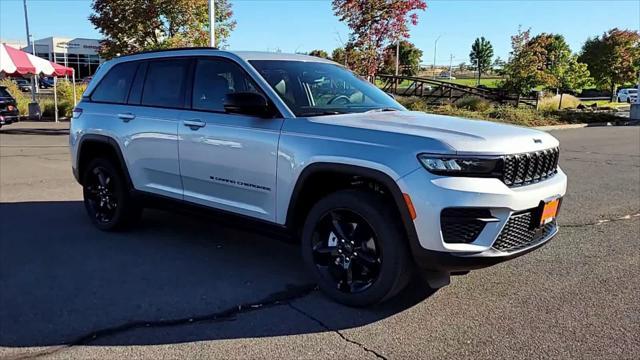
{"points": [[78, 53]]}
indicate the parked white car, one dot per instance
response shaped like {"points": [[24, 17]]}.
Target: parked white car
{"points": [[628, 95]]}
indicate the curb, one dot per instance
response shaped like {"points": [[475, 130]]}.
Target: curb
{"points": [[584, 125]]}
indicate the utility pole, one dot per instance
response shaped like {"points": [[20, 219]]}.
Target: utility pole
{"points": [[32, 47], [212, 23], [450, 65], [435, 51]]}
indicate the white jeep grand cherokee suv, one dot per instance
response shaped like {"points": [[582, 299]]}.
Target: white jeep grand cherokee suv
{"points": [[299, 143]]}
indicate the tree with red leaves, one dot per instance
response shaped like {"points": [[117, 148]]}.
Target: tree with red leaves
{"points": [[375, 24]]}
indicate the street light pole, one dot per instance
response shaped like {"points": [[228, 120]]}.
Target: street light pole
{"points": [[435, 50], [398, 58], [212, 23], [33, 50]]}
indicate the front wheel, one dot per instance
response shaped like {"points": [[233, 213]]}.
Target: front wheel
{"points": [[353, 244], [106, 196]]}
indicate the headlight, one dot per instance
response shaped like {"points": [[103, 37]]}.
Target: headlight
{"points": [[462, 166]]}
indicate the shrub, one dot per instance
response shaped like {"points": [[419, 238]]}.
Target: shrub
{"points": [[412, 103], [47, 107], [22, 99], [551, 103], [65, 91], [473, 103]]}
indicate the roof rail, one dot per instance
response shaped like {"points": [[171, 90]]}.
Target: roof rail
{"points": [[169, 50]]}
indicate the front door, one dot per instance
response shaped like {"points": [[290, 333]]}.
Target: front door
{"points": [[227, 161]]}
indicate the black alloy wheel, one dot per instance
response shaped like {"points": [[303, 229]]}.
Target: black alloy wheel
{"points": [[354, 245], [107, 198], [345, 251], [99, 195]]}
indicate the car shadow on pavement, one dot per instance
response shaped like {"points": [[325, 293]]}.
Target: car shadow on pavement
{"points": [[26, 131], [172, 279]]}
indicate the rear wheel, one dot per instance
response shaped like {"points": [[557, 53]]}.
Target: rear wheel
{"points": [[353, 244], [107, 198]]}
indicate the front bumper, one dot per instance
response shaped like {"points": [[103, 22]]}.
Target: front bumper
{"points": [[8, 118], [456, 262], [431, 194]]}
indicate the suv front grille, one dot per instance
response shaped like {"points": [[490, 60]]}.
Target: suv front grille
{"points": [[519, 232], [528, 168]]}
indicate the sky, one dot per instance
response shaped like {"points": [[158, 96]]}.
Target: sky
{"points": [[304, 25]]}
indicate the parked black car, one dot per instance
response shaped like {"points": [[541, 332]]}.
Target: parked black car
{"points": [[23, 84], [8, 107]]}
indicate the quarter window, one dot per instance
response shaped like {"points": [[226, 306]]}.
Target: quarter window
{"points": [[165, 83], [114, 87]]}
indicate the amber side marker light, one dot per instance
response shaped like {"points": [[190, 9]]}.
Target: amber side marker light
{"points": [[412, 210]]}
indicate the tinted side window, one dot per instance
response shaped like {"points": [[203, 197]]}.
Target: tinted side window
{"points": [[165, 83], [216, 78], [135, 94], [114, 87]]}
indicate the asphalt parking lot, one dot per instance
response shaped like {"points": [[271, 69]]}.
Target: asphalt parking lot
{"points": [[181, 286]]}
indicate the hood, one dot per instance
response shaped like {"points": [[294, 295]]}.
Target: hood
{"points": [[464, 135]]}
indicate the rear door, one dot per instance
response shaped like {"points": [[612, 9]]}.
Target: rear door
{"points": [[227, 161], [155, 102]]}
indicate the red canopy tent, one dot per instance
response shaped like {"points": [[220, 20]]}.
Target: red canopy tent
{"points": [[16, 62]]}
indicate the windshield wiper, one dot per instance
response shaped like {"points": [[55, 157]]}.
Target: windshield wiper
{"points": [[381, 110], [320, 113]]}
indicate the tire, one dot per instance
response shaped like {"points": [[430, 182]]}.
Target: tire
{"points": [[107, 198], [381, 269]]}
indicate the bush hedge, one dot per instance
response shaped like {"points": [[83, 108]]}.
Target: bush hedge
{"points": [[65, 98], [509, 114]]}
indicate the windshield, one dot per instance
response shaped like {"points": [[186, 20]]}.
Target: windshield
{"points": [[313, 88], [632, 91]]}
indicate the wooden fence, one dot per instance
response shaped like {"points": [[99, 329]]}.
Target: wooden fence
{"points": [[444, 92]]}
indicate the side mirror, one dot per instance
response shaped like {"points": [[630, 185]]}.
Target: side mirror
{"points": [[247, 103]]}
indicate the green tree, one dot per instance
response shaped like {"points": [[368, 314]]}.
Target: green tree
{"points": [[376, 23], [481, 55], [319, 53], [410, 57], [562, 70], [498, 64], [613, 58], [553, 54], [523, 71], [130, 26], [571, 76], [350, 57]]}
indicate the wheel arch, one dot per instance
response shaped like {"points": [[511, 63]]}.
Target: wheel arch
{"points": [[310, 175], [94, 145]]}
